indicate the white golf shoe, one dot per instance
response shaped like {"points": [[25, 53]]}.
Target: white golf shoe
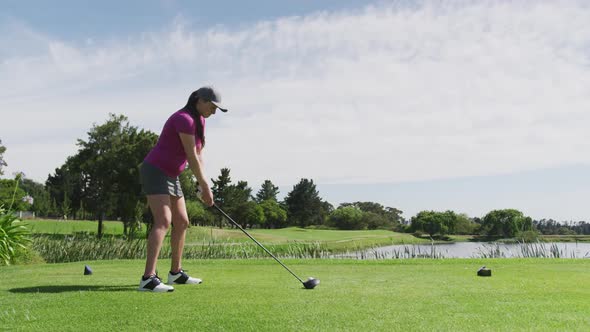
{"points": [[182, 278], [154, 284]]}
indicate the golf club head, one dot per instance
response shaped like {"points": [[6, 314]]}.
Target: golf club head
{"points": [[311, 283]]}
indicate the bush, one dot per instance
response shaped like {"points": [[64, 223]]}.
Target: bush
{"points": [[348, 218], [198, 214], [464, 225], [566, 231], [401, 228], [27, 256], [419, 234], [528, 236], [13, 236], [507, 223], [375, 221]]}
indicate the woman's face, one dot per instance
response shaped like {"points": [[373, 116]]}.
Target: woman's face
{"points": [[206, 108]]}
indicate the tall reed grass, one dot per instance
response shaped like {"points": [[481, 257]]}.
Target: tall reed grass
{"points": [[73, 248], [492, 250], [405, 252], [540, 249], [524, 250], [80, 247], [487, 250]]}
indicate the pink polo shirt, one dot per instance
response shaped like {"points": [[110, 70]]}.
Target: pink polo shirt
{"points": [[168, 154]]}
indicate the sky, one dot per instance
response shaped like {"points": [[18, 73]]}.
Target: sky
{"points": [[418, 105]]}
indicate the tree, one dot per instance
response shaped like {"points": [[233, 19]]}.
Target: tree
{"points": [[53, 210], [188, 184], [394, 215], [325, 209], [268, 192], [96, 160], [249, 214], [274, 215], [66, 208], [548, 226], [240, 204], [2, 162], [236, 200], [11, 196], [375, 221], [41, 200], [236, 195], [304, 206], [108, 166], [566, 231], [505, 223], [198, 214], [367, 207], [135, 145], [378, 216], [81, 213], [65, 182], [135, 225], [465, 225], [219, 187], [433, 222], [347, 217]]}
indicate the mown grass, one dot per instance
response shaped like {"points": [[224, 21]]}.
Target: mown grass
{"points": [[334, 240], [258, 295], [75, 226]]}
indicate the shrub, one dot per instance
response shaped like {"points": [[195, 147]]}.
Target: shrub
{"points": [[528, 236], [419, 234], [347, 217], [27, 256], [13, 236], [198, 214]]}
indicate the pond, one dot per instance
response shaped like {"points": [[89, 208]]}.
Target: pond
{"points": [[477, 250]]}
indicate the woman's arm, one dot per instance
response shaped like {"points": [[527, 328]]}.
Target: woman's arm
{"points": [[196, 166]]}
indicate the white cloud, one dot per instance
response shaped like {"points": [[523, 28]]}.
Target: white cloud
{"points": [[383, 94]]}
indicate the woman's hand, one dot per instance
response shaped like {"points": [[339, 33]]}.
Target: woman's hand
{"points": [[205, 194], [194, 159]]}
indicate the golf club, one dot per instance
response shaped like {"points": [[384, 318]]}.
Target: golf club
{"points": [[309, 284]]}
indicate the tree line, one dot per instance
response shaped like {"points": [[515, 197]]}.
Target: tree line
{"points": [[101, 182]]}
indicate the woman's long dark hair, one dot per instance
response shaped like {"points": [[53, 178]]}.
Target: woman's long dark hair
{"points": [[191, 108]]}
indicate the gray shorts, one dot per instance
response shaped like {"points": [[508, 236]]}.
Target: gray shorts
{"points": [[155, 182]]}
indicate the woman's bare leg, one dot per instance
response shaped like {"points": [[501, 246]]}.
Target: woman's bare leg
{"points": [[180, 224], [161, 210]]}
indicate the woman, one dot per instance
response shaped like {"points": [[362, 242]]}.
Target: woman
{"points": [[181, 142]]}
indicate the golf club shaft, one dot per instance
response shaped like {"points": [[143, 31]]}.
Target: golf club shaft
{"points": [[258, 243]]}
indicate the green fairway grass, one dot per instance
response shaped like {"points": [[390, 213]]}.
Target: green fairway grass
{"points": [[259, 295], [335, 240], [73, 226]]}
